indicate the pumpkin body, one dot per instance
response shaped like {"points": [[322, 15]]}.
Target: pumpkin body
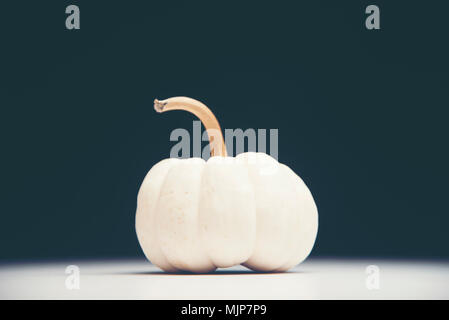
{"points": [[197, 215]]}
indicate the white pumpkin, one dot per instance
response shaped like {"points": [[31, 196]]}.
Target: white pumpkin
{"points": [[198, 215]]}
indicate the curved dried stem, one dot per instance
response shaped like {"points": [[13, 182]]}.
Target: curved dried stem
{"points": [[217, 144]]}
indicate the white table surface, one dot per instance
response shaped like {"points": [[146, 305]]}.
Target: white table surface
{"points": [[313, 279]]}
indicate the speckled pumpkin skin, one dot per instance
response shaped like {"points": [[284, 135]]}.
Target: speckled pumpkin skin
{"points": [[197, 215]]}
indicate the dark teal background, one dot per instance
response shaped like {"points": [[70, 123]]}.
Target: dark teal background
{"points": [[362, 115]]}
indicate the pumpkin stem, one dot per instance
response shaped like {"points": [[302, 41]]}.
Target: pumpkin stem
{"points": [[216, 141]]}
